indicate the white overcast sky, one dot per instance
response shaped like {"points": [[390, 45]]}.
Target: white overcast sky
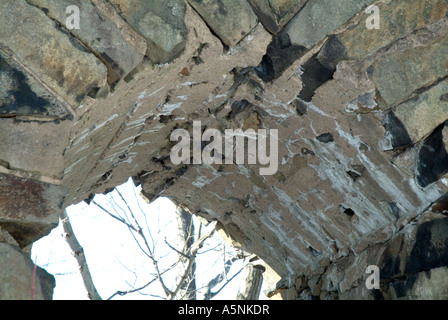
{"points": [[112, 254]]}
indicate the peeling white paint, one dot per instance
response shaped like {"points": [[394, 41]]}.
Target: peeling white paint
{"points": [[77, 162], [311, 106], [169, 108], [183, 98], [99, 126]]}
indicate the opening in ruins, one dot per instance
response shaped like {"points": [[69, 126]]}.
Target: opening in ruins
{"points": [[111, 232]]}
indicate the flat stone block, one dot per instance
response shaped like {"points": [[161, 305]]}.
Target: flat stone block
{"points": [[49, 52], [161, 23], [101, 35], [231, 20], [29, 209]]}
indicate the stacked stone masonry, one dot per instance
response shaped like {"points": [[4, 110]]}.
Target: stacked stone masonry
{"points": [[361, 115]]}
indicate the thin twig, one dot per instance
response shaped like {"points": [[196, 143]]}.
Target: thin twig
{"points": [[115, 217], [193, 251]]}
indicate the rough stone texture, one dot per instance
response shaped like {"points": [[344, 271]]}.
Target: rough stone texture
{"points": [[274, 14], [16, 276], [399, 74], [413, 265], [160, 22], [319, 18], [34, 211], [397, 19], [50, 53], [426, 285], [421, 115], [100, 35], [45, 140], [22, 95], [231, 20], [361, 117]]}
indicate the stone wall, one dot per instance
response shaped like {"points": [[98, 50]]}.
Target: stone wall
{"points": [[360, 114]]}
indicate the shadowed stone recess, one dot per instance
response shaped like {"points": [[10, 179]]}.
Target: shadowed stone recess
{"points": [[21, 94]]}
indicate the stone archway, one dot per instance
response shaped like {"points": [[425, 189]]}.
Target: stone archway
{"points": [[360, 115]]}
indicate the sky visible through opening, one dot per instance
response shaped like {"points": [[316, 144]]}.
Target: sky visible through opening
{"points": [[114, 259]]}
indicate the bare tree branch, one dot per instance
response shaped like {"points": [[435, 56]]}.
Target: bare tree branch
{"points": [[192, 254], [177, 251], [219, 278], [123, 293], [114, 216], [213, 294], [250, 289], [78, 253], [185, 247], [138, 230]]}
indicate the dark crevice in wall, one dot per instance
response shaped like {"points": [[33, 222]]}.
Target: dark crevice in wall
{"points": [[432, 160], [281, 53], [396, 134], [314, 75]]}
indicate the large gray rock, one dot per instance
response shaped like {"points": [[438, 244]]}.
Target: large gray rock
{"points": [[49, 53], [401, 73], [16, 276], [100, 35], [34, 137], [231, 20], [160, 22], [426, 285], [22, 95], [397, 19], [319, 18], [34, 211], [421, 115]]}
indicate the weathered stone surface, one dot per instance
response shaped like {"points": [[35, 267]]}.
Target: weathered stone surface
{"points": [[34, 210], [42, 145], [145, 111], [413, 264], [432, 158], [160, 22], [319, 18], [51, 54], [16, 276], [99, 35], [231, 20], [22, 95], [5, 237], [427, 285], [397, 19], [424, 113], [274, 14], [362, 164], [401, 73]]}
